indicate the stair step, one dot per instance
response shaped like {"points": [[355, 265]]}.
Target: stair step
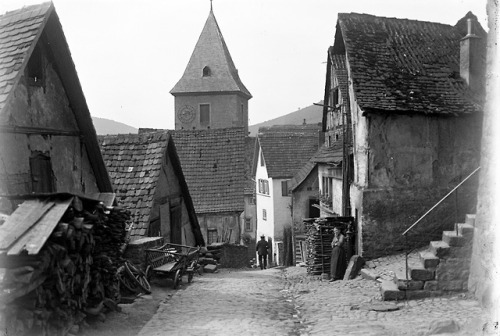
{"points": [[470, 219], [418, 272], [453, 239], [465, 229], [439, 248], [428, 259], [390, 291], [404, 282]]}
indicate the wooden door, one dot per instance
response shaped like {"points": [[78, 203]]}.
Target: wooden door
{"points": [[176, 225]]}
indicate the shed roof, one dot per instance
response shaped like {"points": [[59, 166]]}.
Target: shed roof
{"points": [[20, 32], [329, 155], [134, 162], [286, 148], [213, 162], [406, 66], [210, 51]]}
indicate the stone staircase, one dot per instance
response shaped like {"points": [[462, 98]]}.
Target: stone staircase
{"points": [[442, 268]]}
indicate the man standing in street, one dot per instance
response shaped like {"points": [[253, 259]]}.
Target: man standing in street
{"points": [[261, 248]]}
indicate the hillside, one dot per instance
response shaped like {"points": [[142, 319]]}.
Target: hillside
{"points": [[312, 114], [106, 126]]}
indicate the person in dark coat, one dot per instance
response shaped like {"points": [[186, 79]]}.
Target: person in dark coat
{"points": [[261, 248], [338, 262]]}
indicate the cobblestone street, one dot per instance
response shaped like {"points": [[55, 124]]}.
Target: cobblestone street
{"points": [[286, 301]]}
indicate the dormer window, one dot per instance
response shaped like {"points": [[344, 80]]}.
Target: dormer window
{"points": [[207, 72]]}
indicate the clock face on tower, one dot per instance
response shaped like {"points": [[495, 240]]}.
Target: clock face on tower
{"points": [[186, 114]]}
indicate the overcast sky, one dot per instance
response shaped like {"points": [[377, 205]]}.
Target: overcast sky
{"points": [[129, 54]]}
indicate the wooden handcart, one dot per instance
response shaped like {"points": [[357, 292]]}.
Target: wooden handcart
{"points": [[174, 261]]}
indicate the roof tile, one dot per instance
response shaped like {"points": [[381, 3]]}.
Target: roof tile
{"points": [[213, 166], [287, 148], [405, 65]]}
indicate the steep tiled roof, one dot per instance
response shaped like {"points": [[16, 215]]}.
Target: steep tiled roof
{"points": [[407, 66], [19, 31], [211, 51], [287, 148], [134, 162], [249, 156], [134, 165], [213, 162]]}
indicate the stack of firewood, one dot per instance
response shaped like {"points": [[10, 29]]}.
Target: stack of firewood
{"points": [[71, 277], [319, 238]]}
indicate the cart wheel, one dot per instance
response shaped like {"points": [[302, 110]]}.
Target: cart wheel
{"points": [[126, 282], [138, 276], [177, 278]]}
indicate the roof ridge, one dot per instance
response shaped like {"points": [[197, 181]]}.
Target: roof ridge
{"points": [[394, 18], [24, 10]]}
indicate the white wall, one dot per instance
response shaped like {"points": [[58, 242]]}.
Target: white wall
{"points": [[265, 227], [282, 211]]}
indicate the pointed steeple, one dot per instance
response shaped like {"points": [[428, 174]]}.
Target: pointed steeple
{"points": [[211, 68]]}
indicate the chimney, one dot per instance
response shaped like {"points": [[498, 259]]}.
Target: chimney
{"points": [[304, 123], [471, 57]]}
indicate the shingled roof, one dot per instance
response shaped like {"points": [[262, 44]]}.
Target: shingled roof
{"points": [[134, 162], [210, 51], [287, 148], [406, 66], [213, 162], [329, 155], [20, 31]]}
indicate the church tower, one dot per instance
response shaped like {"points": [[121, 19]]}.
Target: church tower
{"points": [[210, 93]]}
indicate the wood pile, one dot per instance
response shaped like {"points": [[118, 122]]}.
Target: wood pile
{"points": [[71, 275], [319, 235]]}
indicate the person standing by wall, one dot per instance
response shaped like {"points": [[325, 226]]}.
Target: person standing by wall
{"points": [[261, 248], [338, 260]]}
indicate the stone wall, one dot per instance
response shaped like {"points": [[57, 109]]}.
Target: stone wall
{"points": [[485, 270], [136, 250], [225, 111], [233, 256], [388, 213]]}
